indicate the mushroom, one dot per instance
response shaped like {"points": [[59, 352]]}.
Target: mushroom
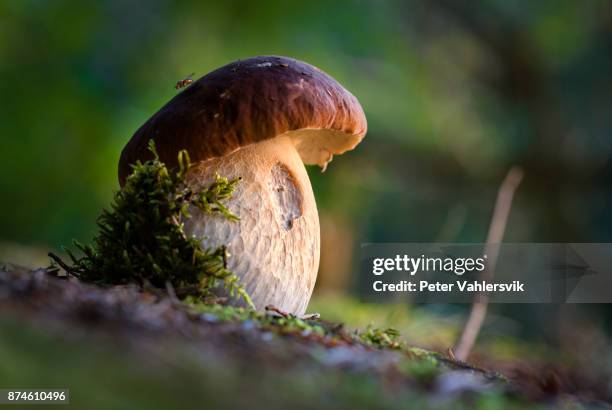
{"points": [[261, 119]]}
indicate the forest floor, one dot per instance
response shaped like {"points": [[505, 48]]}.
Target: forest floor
{"points": [[120, 347]]}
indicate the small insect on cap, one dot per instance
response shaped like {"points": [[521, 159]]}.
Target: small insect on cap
{"points": [[249, 101]]}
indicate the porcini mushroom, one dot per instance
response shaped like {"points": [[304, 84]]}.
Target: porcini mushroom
{"points": [[261, 119]]}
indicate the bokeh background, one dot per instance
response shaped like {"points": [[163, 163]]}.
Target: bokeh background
{"points": [[455, 93]]}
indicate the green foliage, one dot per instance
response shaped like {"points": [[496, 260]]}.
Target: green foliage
{"points": [[380, 338], [142, 238]]}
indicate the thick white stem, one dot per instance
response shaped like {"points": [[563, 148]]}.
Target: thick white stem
{"points": [[275, 246]]}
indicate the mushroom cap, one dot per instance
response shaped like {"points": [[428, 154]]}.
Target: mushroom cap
{"points": [[249, 101]]}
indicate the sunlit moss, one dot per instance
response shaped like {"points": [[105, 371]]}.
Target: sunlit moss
{"points": [[142, 240], [380, 338], [277, 323]]}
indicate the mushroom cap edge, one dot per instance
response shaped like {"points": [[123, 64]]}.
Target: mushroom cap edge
{"points": [[249, 101]]}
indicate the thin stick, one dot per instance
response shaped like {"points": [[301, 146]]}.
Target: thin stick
{"points": [[503, 204], [274, 309]]}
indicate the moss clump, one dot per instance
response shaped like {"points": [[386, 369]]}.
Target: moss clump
{"points": [[380, 338], [142, 239]]}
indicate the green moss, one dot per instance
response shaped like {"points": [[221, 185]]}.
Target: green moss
{"points": [[220, 312], [280, 324], [142, 240], [287, 324], [380, 338], [421, 364]]}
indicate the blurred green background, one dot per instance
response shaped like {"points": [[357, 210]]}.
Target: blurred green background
{"points": [[455, 94]]}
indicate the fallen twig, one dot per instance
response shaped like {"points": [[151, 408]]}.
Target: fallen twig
{"points": [[277, 311], [503, 204]]}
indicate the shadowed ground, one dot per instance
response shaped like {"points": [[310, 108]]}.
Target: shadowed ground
{"points": [[125, 348]]}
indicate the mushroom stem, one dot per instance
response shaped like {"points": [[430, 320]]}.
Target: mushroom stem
{"points": [[275, 244]]}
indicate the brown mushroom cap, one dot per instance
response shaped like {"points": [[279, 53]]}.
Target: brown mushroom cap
{"points": [[249, 101]]}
